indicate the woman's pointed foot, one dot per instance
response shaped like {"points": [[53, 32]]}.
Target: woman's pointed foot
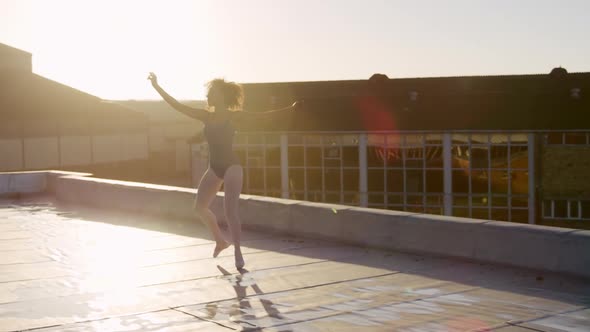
{"points": [[239, 260], [219, 247]]}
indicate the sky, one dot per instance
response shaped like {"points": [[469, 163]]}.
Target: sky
{"points": [[108, 47]]}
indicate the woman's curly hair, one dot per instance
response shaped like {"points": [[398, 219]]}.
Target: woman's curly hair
{"points": [[233, 94]]}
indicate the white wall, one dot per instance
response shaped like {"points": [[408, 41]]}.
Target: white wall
{"points": [[106, 148], [134, 146], [41, 152], [11, 154], [75, 150]]}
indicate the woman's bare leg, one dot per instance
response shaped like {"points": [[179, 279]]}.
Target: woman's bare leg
{"points": [[233, 187], [208, 188]]}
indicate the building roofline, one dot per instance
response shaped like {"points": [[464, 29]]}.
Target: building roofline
{"points": [[14, 49], [62, 85], [516, 76]]}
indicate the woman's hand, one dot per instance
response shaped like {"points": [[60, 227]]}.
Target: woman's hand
{"points": [[298, 105], [153, 78]]}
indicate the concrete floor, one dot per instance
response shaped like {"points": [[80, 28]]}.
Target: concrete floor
{"points": [[77, 269]]}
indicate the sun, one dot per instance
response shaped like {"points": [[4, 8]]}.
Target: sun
{"points": [[106, 48]]}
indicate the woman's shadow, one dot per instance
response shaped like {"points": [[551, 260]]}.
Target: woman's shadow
{"points": [[242, 312]]}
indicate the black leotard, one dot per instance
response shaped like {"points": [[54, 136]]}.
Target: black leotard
{"points": [[220, 137]]}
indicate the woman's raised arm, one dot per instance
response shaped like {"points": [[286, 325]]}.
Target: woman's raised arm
{"points": [[195, 113]]}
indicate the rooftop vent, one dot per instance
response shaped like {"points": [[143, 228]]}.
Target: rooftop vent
{"points": [[377, 83], [558, 72]]}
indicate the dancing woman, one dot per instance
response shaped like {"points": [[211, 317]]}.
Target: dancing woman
{"points": [[224, 101]]}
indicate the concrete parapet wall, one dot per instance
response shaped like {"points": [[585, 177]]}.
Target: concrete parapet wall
{"points": [[545, 248], [135, 197], [22, 182], [531, 246]]}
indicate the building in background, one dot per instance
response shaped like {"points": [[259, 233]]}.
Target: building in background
{"points": [[513, 147], [48, 125], [170, 135]]}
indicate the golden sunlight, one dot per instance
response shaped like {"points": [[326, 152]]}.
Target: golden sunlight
{"points": [[108, 47], [114, 263]]}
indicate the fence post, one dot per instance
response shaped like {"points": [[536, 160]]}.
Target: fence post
{"points": [[447, 175], [59, 162], [363, 188], [532, 189], [284, 166], [23, 150]]}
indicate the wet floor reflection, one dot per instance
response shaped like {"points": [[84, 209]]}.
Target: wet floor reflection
{"points": [[241, 311], [83, 272]]}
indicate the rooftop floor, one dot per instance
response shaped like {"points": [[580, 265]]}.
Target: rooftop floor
{"points": [[65, 268]]}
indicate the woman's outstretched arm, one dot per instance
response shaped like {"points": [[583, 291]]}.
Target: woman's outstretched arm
{"points": [[195, 113], [293, 107], [257, 115]]}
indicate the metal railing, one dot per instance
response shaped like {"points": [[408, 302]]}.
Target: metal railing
{"points": [[483, 174]]}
